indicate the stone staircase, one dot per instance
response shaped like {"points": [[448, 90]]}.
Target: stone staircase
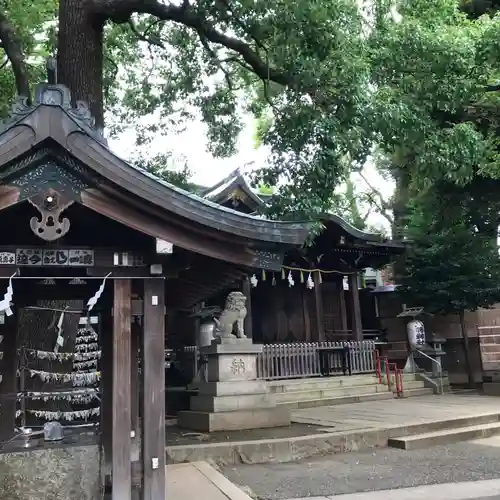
{"points": [[449, 432], [311, 392]]}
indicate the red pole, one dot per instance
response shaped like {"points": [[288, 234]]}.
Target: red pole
{"points": [[388, 373]]}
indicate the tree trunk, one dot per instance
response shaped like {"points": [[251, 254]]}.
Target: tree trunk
{"points": [[80, 54], [465, 336]]}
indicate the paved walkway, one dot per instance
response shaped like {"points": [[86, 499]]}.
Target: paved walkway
{"points": [[199, 480], [471, 490], [397, 412]]}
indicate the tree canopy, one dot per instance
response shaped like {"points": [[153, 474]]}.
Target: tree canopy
{"points": [[452, 266], [329, 82]]}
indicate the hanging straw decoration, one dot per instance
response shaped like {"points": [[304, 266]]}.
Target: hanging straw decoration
{"points": [[283, 275], [302, 276], [273, 281], [264, 275]]}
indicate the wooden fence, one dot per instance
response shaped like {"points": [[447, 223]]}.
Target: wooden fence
{"points": [[301, 359]]}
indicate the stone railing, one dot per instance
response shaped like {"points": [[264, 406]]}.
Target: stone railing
{"points": [[301, 359]]}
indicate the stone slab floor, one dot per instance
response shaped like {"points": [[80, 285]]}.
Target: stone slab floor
{"points": [[397, 412]]}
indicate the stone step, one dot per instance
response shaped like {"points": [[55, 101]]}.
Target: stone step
{"points": [[422, 391], [319, 383], [333, 401], [445, 436], [333, 392]]}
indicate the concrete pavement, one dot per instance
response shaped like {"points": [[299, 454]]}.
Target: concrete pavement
{"points": [[470, 490], [200, 480]]}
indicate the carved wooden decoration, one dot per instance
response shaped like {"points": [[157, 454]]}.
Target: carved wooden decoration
{"points": [[50, 204]]}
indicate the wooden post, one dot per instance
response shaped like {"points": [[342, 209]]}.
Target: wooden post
{"points": [[153, 411], [8, 389], [344, 325], [357, 327], [107, 396], [134, 379], [246, 288], [320, 315], [122, 322], [305, 314]]}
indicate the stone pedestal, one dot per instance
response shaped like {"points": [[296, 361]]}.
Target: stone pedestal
{"points": [[232, 398]]}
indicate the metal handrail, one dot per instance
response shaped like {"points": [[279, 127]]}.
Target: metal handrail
{"points": [[440, 368]]}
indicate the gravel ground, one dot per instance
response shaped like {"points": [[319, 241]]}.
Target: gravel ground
{"points": [[380, 469]]}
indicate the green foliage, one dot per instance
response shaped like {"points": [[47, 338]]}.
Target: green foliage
{"points": [[453, 266], [160, 166], [325, 81]]}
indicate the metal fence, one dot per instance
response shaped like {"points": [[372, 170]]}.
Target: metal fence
{"points": [[295, 359], [301, 359]]}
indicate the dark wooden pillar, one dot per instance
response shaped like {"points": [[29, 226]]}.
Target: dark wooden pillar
{"points": [[357, 328], [318, 299], [305, 314], [107, 392], [8, 386], [122, 322], [134, 379], [344, 325], [246, 288], [153, 411]]}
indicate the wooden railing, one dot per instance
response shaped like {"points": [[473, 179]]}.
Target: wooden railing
{"points": [[301, 359]]}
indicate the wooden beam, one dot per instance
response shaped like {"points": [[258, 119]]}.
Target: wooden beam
{"points": [[122, 321], [153, 411], [318, 299], [246, 288], [357, 327]]}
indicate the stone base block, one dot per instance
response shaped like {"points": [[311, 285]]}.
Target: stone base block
{"points": [[219, 404], [233, 388], [234, 420], [491, 388]]}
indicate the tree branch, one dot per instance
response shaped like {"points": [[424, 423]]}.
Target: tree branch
{"points": [[378, 200], [120, 11], [13, 48], [144, 37]]}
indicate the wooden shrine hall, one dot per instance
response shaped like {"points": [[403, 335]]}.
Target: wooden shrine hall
{"points": [[320, 292], [81, 230]]}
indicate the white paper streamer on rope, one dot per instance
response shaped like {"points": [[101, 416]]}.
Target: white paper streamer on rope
{"points": [[77, 379], [7, 298], [89, 337], [81, 365], [93, 300], [77, 396], [91, 346], [66, 415], [60, 338], [64, 356]]}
